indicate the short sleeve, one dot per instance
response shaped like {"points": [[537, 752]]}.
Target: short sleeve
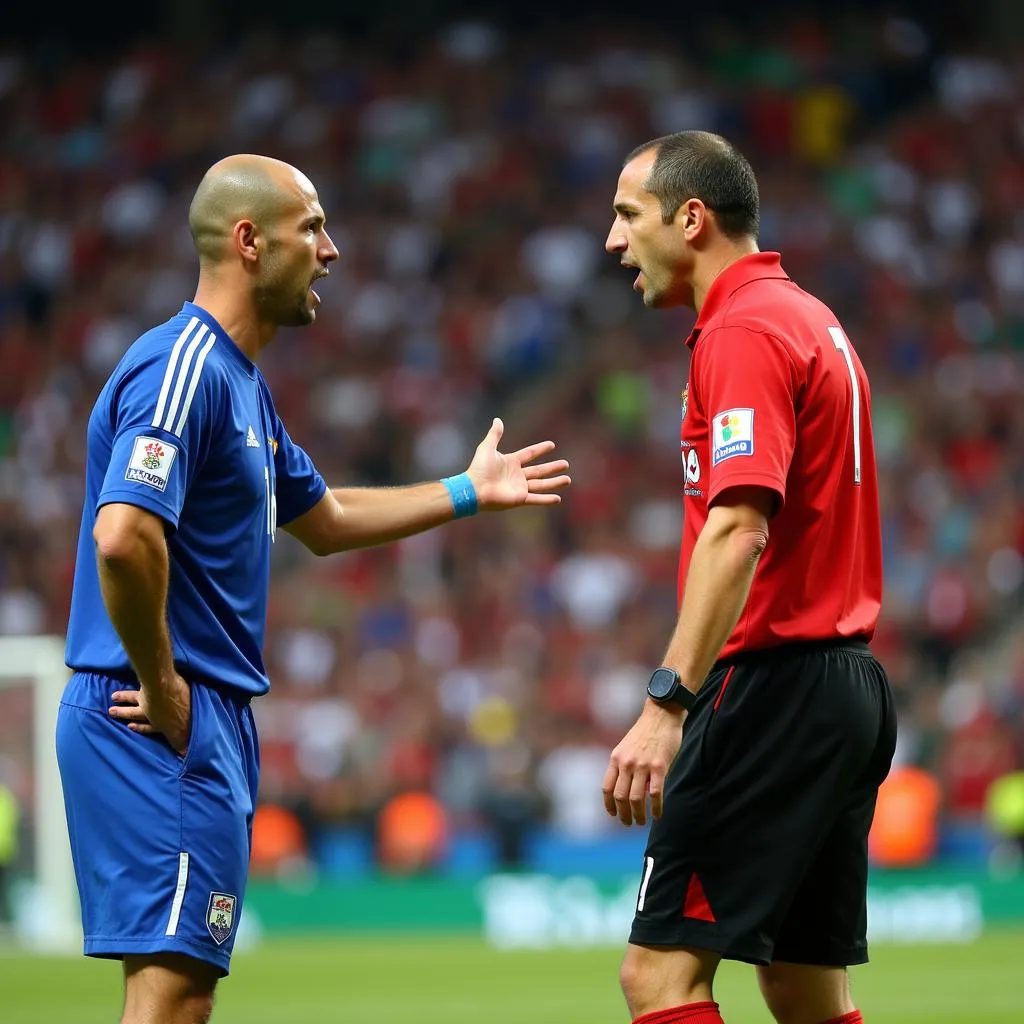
{"points": [[299, 484], [747, 383], [162, 421]]}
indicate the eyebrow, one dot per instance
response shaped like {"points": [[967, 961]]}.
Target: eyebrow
{"points": [[626, 207]]}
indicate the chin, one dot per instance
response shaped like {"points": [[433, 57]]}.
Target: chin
{"points": [[666, 300], [300, 317]]}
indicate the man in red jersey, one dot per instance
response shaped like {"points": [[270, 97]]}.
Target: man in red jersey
{"points": [[763, 801]]}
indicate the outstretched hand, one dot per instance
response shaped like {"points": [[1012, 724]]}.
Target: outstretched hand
{"points": [[507, 481]]}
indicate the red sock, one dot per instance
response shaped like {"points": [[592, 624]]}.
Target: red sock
{"points": [[691, 1013], [847, 1018]]}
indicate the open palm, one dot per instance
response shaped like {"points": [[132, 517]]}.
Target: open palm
{"points": [[507, 481]]}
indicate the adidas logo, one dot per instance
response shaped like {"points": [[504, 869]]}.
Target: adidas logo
{"points": [[250, 441]]}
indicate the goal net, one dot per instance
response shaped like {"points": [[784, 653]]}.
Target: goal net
{"points": [[42, 894]]}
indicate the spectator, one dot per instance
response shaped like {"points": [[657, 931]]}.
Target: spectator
{"points": [[467, 183]]}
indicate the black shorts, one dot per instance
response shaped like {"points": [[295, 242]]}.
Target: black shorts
{"points": [[761, 851]]}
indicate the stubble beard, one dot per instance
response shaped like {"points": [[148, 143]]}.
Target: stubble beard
{"points": [[284, 307]]}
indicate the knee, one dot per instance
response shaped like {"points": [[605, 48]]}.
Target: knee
{"points": [[632, 976], [657, 979]]}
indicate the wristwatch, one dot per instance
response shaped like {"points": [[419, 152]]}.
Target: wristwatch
{"points": [[666, 687]]}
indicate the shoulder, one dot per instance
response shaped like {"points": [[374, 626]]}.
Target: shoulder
{"points": [[180, 350], [170, 367], [745, 341], [769, 316]]}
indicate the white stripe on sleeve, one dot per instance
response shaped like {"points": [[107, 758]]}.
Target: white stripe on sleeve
{"points": [[193, 384], [169, 373], [179, 386]]}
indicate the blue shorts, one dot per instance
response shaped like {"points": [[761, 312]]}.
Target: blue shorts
{"points": [[160, 842]]}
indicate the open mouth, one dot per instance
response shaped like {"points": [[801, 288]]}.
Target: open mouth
{"points": [[317, 277]]}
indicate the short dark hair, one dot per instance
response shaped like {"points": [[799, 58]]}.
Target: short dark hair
{"points": [[704, 166]]}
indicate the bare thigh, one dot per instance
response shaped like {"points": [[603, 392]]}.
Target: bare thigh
{"points": [[805, 993], [168, 988], [662, 977]]}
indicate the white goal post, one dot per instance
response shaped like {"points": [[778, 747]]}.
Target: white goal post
{"points": [[52, 923]]}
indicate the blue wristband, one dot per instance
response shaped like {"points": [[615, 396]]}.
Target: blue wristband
{"points": [[463, 494]]}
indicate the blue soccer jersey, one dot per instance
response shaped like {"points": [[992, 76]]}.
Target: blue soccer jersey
{"points": [[186, 428]]}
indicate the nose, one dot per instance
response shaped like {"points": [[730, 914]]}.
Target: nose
{"points": [[616, 240], [328, 251]]}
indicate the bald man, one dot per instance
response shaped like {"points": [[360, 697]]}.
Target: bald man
{"points": [[189, 473]]}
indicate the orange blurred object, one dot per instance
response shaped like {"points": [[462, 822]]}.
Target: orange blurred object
{"points": [[905, 830], [277, 838], [412, 832]]}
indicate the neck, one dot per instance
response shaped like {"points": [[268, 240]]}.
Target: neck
{"points": [[232, 307], [714, 262]]}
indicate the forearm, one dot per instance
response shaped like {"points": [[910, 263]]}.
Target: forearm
{"points": [[716, 589], [377, 515], [133, 580]]}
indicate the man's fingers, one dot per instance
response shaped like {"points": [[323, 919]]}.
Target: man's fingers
{"points": [[533, 451], [144, 728], [557, 483], [129, 714], [657, 791], [497, 429], [608, 788], [657, 806], [638, 797], [126, 697], [621, 792], [545, 469]]}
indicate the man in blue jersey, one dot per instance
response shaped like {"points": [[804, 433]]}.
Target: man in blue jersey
{"points": [[189, 472]]}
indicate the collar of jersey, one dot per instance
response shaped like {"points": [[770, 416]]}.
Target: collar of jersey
{"points": [[233, 351], [755, 267]]}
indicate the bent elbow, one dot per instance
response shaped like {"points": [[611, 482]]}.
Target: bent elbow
{"points": [[755, 542], [114, 546], [121, 538], [747, 544]]}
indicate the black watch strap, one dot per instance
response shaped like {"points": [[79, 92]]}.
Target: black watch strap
{"points": [[665, 687]]}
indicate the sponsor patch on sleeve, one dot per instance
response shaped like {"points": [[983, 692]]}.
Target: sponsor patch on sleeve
{"points": [[733, 434], [151, 462]]}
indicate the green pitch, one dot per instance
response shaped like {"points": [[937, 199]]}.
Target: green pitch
{"points": [[460, 981]]}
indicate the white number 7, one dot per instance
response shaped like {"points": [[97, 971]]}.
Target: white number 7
{"points": [[841, 343]]}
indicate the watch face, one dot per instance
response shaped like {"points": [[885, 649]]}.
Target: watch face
{"points": [[663, 681]]}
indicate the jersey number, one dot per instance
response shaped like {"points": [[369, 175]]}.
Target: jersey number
{"points": [[271, 504], [841, 343]]}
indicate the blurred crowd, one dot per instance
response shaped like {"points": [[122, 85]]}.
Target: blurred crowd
{"points": [[468, 184]]}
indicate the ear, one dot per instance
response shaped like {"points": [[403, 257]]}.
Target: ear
{"points": [[246, 240], [692, 219]]}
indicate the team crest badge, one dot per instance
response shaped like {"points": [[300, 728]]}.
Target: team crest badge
{"points": [[684, 397], [220, 916], [151, 462], [732, 434]]}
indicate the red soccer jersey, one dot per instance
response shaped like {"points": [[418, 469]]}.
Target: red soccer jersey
{"points": [[777, 398]]}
